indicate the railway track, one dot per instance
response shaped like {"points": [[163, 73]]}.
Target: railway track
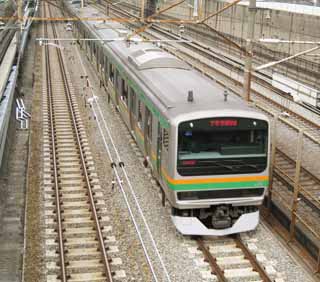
{"points": [[231, 260], [309, 183], [77, 243], [309, 190], [6, 36]]}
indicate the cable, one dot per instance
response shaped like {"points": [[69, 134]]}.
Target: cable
{"points": [[114, 168], [94, 101]]}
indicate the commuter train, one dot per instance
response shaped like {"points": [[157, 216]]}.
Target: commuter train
{"points": [[209, 151]]}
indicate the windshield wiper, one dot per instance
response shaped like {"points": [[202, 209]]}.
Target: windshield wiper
{"points": [[242, 163], [217, 163]]}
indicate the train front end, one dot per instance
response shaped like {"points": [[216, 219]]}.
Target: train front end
{"points": [[220, 172]]}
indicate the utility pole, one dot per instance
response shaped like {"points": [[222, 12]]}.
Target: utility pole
{"points": [[20, 23], [142, 10], [200, 8], [107, 9], [20, 13], [249, 46], [82, 3]]}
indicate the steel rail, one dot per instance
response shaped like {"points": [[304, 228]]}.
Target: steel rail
{"points": [[63, 276], [6, 35], [255, 264], [218, 271], [307, 196], [215, 268], [94, 104], [83, 163]]}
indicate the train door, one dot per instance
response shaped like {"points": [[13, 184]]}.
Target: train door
{"points": [[132, 108], [94, 53], [159, 149], [91, 45], [163, 153], [140, 125], [105, 75], [148, 132], [117, 87], [99, 56]]}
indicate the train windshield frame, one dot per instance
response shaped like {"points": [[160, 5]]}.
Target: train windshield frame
{"points": [[222, 145]]}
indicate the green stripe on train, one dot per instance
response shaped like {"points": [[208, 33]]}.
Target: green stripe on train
{"points": [[224, 185]]}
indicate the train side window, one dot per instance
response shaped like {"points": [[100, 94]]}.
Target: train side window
{"points": [[117, 81], [133, 101], [102, 56], [139, 114], [165, 139], [111, 73], [106, 68], [149, 125], [124, 93], [94, 50]]}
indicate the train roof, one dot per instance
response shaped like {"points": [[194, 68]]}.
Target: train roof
{"points": [[168, 78]]}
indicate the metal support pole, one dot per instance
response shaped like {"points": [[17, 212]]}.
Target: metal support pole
{"points": [[318, 263], [249, 46], [82, 3], [107, 9], [272, 160], [20, 23], [20, 12], [296, 185], [142, 10], [200, 8]]}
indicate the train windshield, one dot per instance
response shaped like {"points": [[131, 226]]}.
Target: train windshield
{"points": [[222, 146]]}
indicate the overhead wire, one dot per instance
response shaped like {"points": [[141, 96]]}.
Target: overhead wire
{"points": [[121, 164]]}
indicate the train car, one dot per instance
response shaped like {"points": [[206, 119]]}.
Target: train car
{"points": [[209, 151]]}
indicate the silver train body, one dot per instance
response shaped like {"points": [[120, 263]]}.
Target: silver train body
{"points": [[210, 153]]}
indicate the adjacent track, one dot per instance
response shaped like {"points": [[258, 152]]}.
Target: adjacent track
{"points": [[6, 36], [76, 211], [231, 260]]}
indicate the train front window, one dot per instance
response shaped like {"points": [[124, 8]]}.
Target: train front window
{"points": [[222, 146]]}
